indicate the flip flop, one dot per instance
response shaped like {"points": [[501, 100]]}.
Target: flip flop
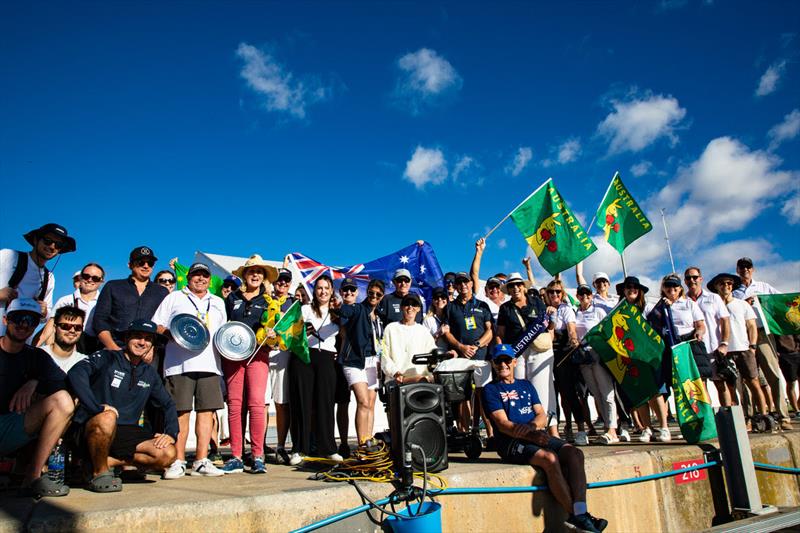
{"points": [[44, 486], [105, 482]]}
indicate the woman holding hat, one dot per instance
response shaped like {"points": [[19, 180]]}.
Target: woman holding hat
{"points": [[246, 305]]}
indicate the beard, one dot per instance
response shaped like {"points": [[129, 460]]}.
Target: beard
{"points": [[65, 344]]}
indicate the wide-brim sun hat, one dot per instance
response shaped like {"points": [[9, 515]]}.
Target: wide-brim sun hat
{"points": [[712, 285], [255, 260], [514, 277], [631, 280], [55, 229]]}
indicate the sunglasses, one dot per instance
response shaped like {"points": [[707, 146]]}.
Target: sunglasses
{"points": [[515, 285], [23, 320], [375, 294], [63, 326], [144, 262], [553, 291], [503, 361], [348, 289], [440, 297], [691, 278], [166, 281], [398, 281], [50, 242], [283, 281], [89, 277], [725, 282], [415, 305], [201, 273]]}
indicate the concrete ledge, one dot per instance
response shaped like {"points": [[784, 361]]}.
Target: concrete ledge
{"points": [[285, 499]]}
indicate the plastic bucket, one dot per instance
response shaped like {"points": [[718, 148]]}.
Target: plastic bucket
{"points": [[429, 519]]}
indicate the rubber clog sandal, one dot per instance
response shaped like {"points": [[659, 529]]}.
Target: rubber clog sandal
{"points": [[105, 482], [44, 487]]}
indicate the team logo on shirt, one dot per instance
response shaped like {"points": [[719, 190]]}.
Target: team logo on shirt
{"points": [[143, 384], [511, 395]]}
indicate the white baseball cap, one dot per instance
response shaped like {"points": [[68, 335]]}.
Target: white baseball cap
{"points": [[27, 305], [600, 275]]}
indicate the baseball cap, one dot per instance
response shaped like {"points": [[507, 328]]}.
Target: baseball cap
{"points": [[462, 275], [198, 267], [450, 277], [411, 299], [401, 273], [348, 283], [284, 273], [493, 281], [233, 280], [672, 281], [600, 275], [142, 252], [439, 292], [145, 326], [583, 288], [24, 305], [503, 350], [744, 262]]}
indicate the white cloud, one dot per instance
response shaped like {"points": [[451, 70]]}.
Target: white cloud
{"points": [[706, 197], [569, 151], [639, 122], [641, 168], [788, 129], [502, 244], [278, 88], [770, 79], [521, 159], [462, 166], [791, 209], [427, 165], [425, 77], [770, 266]]}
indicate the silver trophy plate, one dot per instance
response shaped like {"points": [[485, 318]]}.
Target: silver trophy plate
{"points": [[235, 341], [189, 332]]}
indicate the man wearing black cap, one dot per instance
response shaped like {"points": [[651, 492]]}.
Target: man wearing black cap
{"points": [[193, 376], [124, 300], [113, 388], [765, 353], [25, 275], [389, 308]]}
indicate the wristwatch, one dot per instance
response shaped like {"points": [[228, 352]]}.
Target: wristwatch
{"points": [[753, 346]]}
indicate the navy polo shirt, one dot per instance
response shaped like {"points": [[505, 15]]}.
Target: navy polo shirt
{"points": [[467, 322]]}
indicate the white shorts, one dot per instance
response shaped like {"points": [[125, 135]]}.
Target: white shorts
{"points": [[482, 373], [368, 375], [278, 384]]}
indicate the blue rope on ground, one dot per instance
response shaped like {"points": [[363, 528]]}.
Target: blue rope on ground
{"points": [[776, 468]]}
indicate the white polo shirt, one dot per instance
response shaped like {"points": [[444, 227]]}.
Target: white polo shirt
{"points": [[713, 309], [756, 287], [211, 310], [31, 283], [586, 320], [76, 299], [684, 314], [564, 315], [607, 304]]}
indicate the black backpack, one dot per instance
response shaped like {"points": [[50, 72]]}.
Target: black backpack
{"points": [[19, 272]]}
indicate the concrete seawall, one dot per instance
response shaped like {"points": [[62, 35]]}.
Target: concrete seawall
{"points": [[285, 499]]}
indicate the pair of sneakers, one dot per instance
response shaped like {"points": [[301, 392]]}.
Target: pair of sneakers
{"points": [[586, 523], [659, 435], [234, 465], [203, 467]]}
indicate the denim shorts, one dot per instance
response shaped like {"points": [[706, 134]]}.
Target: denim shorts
{"points": [[12, 433], [519, 452]]}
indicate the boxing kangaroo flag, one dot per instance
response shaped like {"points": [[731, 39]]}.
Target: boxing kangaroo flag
{"points": [[214, 285], [292, 331], [693, 406], [630, 349], [782, 312], [622, 220], [551, 229]]}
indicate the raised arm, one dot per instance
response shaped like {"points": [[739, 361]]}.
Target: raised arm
{"points": [[475, 268], [579, 274]]}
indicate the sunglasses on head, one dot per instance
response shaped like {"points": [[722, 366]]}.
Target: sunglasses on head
{"points": [[24, 320], [89, 277], [144, 262], [166, 281], [63, 326], [47, 241]]}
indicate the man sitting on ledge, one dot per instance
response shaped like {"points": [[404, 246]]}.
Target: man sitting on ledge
{"points": [[520, 423], [113, 388]]}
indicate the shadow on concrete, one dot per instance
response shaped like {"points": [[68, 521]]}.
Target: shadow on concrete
{"points": [[29, 514]]}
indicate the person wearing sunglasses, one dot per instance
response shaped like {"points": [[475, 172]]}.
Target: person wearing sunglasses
{"points": [[601, 283], [68, 325], [436, 317], [84, 298], [122, 301], [229, 285], [492, 295], [389, 308], [24, 275], [519, 421], [166, 278], [28, 372]]}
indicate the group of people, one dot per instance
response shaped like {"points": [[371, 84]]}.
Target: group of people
{"points": [[105, 362]]}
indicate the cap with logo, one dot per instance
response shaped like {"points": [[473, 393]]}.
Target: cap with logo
{"points": [[142, 252], [671, 281], [145, 326], [198, 267], [348, 283], [24, 305], [232, 280], [503, 350], [285, 273]]}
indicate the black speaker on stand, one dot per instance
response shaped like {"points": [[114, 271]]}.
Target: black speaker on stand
{"points": [[417, 416]]}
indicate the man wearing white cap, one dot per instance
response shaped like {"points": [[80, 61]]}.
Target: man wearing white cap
{"points": [[193, 377], [389, 308]]}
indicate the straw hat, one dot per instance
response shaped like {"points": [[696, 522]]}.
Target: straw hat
{"points": [[255, 260]]}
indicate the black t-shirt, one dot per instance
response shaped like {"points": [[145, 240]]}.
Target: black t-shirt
{"points": [[509, 317], [16, 369], [467, 322]]}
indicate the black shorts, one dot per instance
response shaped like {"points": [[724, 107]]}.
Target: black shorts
{"points": [[520, 452], [342, 391], [199, 391], [790, 365], [126, 439]]}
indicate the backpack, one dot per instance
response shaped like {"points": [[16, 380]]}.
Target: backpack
{"points": [[19, 272]]}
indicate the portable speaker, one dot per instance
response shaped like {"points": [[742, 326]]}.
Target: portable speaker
{"points": [[417, 416]]}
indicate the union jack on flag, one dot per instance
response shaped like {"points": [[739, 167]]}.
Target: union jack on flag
{"points": [[311, 270], [511, 395]]}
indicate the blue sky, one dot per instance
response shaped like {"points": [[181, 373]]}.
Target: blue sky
{"points": [[346, 131]]}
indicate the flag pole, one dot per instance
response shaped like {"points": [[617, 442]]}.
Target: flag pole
{"points": [[601, 201], [624, 270], [666, 238], [520, 204]]}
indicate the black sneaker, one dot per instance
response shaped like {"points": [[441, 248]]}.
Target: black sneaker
{"points": [[281, 456], [581, 523], [344, 450], [599, 523]]}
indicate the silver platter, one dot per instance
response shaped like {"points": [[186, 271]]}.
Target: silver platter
{"points": [[235, 341], [189, 332]]}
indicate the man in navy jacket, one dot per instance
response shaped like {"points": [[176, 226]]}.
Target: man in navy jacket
{"points": [[113, 388]]}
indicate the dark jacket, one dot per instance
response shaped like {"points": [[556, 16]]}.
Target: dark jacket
{"points": [[356, 326], [108, 377], [120, 303], [246, 311], [389, 309]]}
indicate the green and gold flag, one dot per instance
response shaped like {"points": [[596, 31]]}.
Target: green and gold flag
{"points": [[292, 330], [631, 350], [552, 230], [214, 284], [782, 312], [693, 406], [620, 216]]}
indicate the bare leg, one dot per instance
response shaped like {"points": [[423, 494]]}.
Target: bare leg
{"points": [[202, 429], [724, 393], [479, 410], [549, 462], [282, 420], [767, 391], [362, 411], [373, 394], [643, 413], [659, 405], [792, 395], [50, 417], [183, 434], [759, 398], [149, 456], [100, 430]]}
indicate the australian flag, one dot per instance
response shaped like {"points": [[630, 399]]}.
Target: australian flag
{"points": [[419, 259]]}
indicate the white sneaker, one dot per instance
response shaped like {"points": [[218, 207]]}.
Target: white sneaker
{"points": [[581, 439], [204, 467], [336, 457], [624, 436], [663, 435], [295, 459], [646, 435], [176, 470]]}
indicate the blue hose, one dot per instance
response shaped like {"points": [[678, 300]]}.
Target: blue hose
{"points": [[776, 468]]}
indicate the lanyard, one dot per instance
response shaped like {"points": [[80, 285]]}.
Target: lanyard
{"points": [[201, 316]]}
